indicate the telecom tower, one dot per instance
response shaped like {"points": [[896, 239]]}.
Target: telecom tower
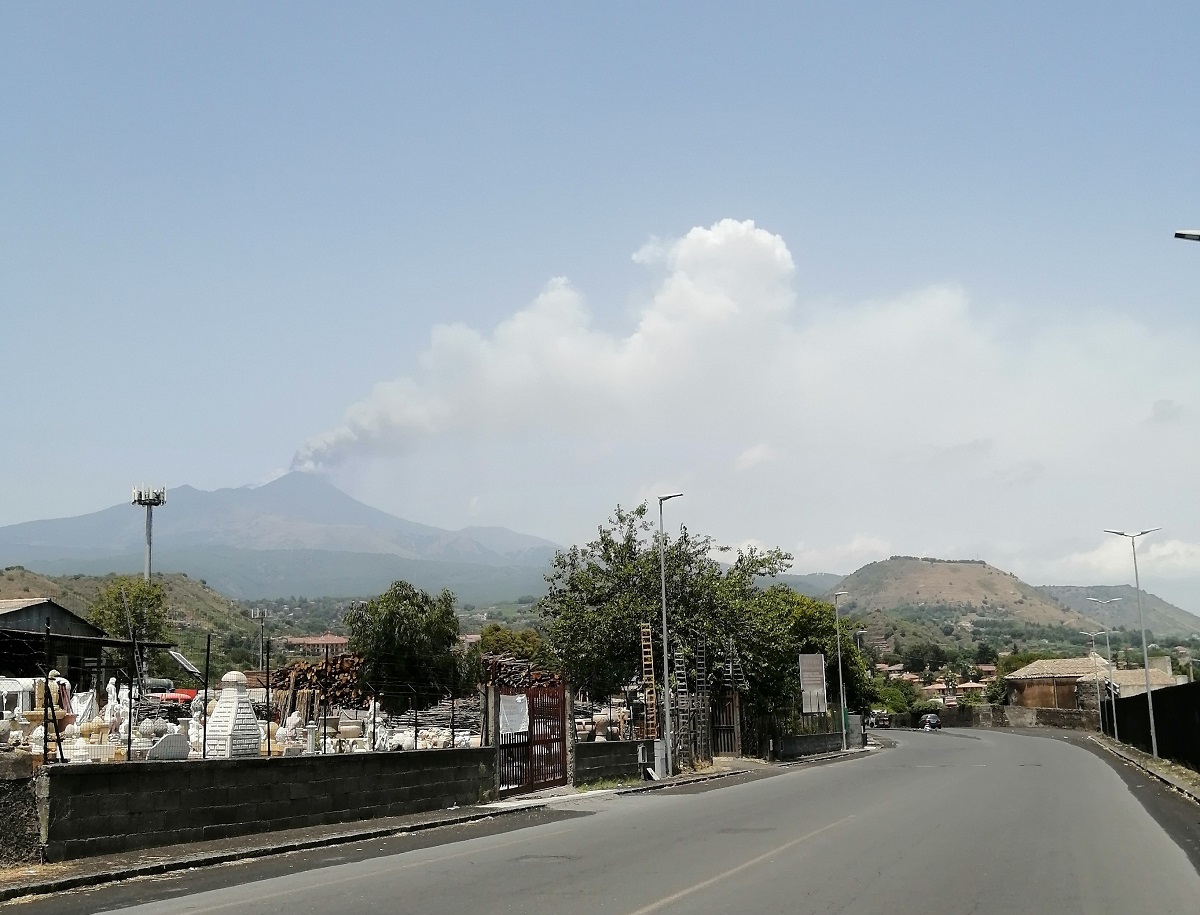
{"points": [[149, 498]]}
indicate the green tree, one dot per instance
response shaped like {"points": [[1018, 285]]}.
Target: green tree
{"points": [[525, 644], [600, 593], [131, 601], [985, 654], [408, 640]]}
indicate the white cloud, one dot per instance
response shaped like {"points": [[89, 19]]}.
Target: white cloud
{"points": [[753, 457], [916, 421], [842, 558]]}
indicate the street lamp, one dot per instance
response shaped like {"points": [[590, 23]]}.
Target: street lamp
{"points": [[1108, 651], [1096, 671], [841, 680], [1188, 234], [662, 562], [1137, 584]]}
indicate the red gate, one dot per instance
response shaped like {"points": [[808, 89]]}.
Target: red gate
{"points": [[536, 757]]}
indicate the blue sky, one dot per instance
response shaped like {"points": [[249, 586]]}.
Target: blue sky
{"points": [[222, 229]]}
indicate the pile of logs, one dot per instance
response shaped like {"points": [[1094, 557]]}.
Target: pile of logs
{"points": [[339, 680], [515, 673]]}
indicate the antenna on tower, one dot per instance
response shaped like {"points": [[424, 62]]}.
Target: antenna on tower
{"points": [[150, 498]]}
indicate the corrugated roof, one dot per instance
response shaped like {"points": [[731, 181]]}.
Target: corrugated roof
{"points": [[20, 603], [1060, 667]]}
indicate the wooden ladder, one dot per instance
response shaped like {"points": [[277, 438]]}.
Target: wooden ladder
{"points": [[651, 730]]}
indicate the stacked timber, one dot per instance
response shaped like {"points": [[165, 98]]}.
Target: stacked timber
{"points": [[516, 673], [339, 680]]}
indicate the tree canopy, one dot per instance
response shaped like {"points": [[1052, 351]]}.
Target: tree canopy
{"points": [[408, 640], [147, 609], [600, 593], [525, 644]]}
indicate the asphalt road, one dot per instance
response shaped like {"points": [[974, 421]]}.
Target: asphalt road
{"points": [[955, 822]]}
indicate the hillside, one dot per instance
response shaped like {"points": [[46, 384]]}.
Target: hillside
{"points": [[296, 535], [814, 584], [193, 608], [954, 602], [298, 511], [1162, 618]]}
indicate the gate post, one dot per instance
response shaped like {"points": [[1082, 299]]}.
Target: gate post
{"points": [[493, 726], [569, 724], [737, 725]]}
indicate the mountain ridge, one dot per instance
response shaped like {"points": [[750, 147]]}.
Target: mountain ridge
{"points": [[298, 511]]}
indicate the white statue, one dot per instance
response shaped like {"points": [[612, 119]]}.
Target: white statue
{"points": [[110, 708]]}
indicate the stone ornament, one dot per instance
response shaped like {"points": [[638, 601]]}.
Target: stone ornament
{"points": [[232, 728]]}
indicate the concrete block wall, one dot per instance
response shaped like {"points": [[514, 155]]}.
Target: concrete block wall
{"points": [[612, 759], [793, 746], [19, 837], [98, 808]]}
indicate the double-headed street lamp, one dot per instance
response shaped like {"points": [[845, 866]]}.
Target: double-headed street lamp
{"points": [[1137, 584], [662, 562], [841, 680], [1108, 652], [1188, 234], [1096, 671]]}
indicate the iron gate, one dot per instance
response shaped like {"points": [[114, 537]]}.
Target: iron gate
{"points": [[537, 757], [725, 725]]}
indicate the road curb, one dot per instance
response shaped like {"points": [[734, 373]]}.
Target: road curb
{"points": [[76, 881], [848, 754], [1164, 777], [659, 786]]}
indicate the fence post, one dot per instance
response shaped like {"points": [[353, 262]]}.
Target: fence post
{"points": [[569, 736]]}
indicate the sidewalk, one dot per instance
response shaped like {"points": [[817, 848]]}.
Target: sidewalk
{"points": [[1181, 778]]}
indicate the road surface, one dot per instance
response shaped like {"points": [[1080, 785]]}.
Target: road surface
{"points": [[956, 822]]}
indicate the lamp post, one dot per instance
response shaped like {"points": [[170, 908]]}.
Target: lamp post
{"points": [[1137, 584], [1188, 234], [1096, 671], [662, 563], [1108, 652], [841, 680]]}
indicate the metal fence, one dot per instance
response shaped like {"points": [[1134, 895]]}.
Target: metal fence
{"points": [[1176, 722]]}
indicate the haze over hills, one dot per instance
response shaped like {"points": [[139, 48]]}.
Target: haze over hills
{"points": [[1162, 618], [296, 535]]}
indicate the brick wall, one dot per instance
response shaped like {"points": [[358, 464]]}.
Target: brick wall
{"points": [[612, 759], [89, 809]]}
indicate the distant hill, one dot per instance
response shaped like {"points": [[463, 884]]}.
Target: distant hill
{"points": [[814, 584], [195, 611], [956, 602], [270, 574], [298, 535], [298, 511], [1162, 618]]}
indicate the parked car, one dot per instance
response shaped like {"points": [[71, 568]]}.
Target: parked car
{"points": [[930, 722], [881, 720]]}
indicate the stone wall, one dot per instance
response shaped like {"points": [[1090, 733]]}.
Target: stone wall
{"points": [[98, 808], [1008, 716], [613, 759], [19, 837]]}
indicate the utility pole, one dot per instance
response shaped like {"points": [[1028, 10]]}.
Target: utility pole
{"points": [[150, 498], [662, 562]]}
